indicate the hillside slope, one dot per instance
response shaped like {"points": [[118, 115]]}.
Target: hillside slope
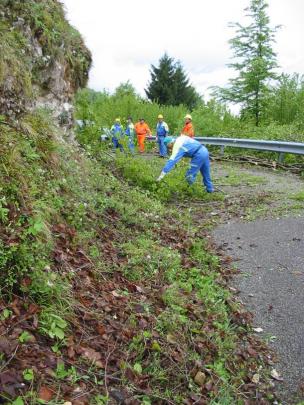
{"points": [[107, 294]]}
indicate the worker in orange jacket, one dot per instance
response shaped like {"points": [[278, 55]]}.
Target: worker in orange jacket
{"points": [[188, 127], [142, 130]]}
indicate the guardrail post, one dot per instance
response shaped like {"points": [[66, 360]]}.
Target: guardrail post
{"points": [[281, 157], [222, 150]]}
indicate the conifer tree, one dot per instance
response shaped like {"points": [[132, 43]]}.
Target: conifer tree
{"points": [[255, 62], [169, 84]]}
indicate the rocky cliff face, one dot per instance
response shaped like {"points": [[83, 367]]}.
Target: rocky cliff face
{"points": [[43, 59]]}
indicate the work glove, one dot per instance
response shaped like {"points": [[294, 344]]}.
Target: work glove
{"points": [[161, 176]]}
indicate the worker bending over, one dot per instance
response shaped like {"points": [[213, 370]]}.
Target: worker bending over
{"points": [[184, 146]]}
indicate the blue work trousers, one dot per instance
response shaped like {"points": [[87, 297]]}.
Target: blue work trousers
{"points": [[200, 162], [117, 144], [162, 146], [131, 145]]}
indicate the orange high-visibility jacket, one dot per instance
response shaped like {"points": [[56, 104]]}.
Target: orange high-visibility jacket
{"points": [[142, 129], [188, 130]]}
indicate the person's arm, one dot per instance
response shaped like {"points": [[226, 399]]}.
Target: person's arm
{"points": [[173, 160], [166, 128], [149, 133], [177, 154], [191, 131]]}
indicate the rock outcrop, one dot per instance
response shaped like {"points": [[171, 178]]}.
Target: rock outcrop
{"points": [[43, 59]]}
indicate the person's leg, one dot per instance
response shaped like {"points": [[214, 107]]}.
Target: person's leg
{"points": [[205, 171], [115, 143], [194, 168], [131, 145], [162, 146], [120, 146], [159, 145], [141, 142]]}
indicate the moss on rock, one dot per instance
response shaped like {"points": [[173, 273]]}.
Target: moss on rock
{"points": [[40, 54]]}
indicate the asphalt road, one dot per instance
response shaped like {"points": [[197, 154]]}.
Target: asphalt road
{"points": [[270, 256]]}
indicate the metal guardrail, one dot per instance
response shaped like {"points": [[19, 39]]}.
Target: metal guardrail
{"points": [[281, 147], [296, 148]]}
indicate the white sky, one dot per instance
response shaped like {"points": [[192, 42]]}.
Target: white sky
{"points": [[127, 36]]}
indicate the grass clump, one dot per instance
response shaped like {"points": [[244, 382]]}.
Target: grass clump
{"points": [[298, 196]]}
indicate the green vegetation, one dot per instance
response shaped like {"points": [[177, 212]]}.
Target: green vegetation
{"points": [[109, 289], [298, 196], [82, 252], [172, 188], [210, 119], [35, 37]]}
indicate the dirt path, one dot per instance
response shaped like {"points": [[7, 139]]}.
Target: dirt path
{"points": [[261, 225]]}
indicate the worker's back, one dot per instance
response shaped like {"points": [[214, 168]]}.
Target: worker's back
{"points": [[187, 145]]}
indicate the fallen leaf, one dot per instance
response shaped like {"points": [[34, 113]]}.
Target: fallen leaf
{"points": [[251, 351], [209, 386], [71, 352], [275, 375], [45, 393], [33, 308], [200, 378], [255, 378], [139, 289], [101, 329], [258, 330], [90, 354], [171, 339]]}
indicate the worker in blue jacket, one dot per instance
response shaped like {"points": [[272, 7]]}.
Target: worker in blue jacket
{"points": [[117, 134], [130, 132], [184, 146], [162, 130]]}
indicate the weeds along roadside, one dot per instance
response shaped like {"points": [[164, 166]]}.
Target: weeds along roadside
{"points": [[108, 286], [182, 288]]}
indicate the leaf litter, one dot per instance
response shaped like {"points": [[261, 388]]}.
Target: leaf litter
{"points": [[109, 313]]}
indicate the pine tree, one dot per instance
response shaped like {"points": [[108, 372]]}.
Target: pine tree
{"points": [[184, 93], [169, 84], [255, 62]]}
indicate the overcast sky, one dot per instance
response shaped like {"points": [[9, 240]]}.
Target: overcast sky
{"points": [[126, 37]]}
